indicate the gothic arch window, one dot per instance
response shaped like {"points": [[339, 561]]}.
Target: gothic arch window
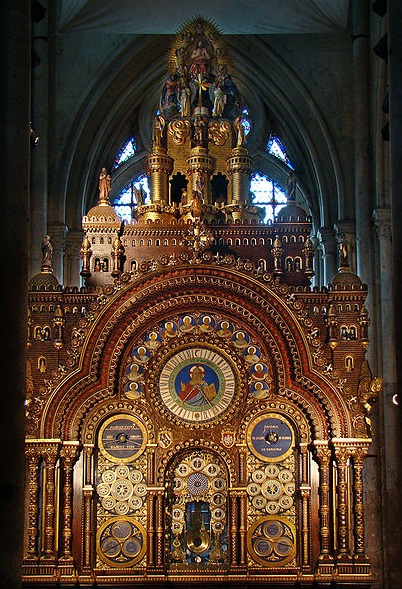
{"points": [[276, 148], [268, 194], [135, 193], [126, 152]]}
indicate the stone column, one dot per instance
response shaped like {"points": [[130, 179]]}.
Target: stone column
{"points": [[326, 237], [57, 233], [387, 409], [395, 132], [73, 266], [15, 90], [363, 195], [40, 124]]}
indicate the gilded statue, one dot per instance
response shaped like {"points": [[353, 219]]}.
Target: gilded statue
{"points": [[104, 186]]}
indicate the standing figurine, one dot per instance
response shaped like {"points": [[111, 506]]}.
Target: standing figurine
{"points": [[47, 253], [104, 186]]}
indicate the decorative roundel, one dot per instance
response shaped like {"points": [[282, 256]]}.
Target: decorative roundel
{"points": [[121, 542], [122, 489], [253, 489], [259, 502], [271, 470], [135, 476], [272, 541], [211, 469], [177, 513], [272, 489], [183, 470], [218, 514], [103, 490], [122, 471], [109, 476], [290, 488], [177, 527], [135, 502], [178, 484], [218, 499], [108, 503], [270, 437], [217, 526], [122, 438], [258, 476], [197, 464], [272, 507], [197, 483], [197, 384], [286, 502], [218, 484], [121, 508], [140, 490], [285, 475]]}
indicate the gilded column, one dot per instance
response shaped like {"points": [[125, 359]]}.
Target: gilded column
{"points": [[359, 455], [50, 455], [68, 454], [199, 168], [242, 464], [324, 459], [233, 511], [342, 454], [88, 495], [243, 528], [305, 491], [151, 529], [159, 528], [159, 166], [88, 451], [240, 165], [32, 454]]}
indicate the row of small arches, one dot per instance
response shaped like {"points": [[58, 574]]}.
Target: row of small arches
{"points": [[221, 241]]}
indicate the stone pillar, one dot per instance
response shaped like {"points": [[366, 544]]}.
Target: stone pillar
{"points": [[363, 195], [73, 266], [15, 90], [388, 411], [326, 237], [347, 228], [40, 124], [57, 233], [395, 132]]}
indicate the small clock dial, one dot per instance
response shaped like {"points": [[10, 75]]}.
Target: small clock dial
{"points": [[197, 384], [122, 438], [270, 437]]}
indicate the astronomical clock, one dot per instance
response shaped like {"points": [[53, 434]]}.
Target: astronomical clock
{"points": [[197, 412]]}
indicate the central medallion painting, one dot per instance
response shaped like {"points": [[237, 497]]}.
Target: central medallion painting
{"points": [[197, 384]]}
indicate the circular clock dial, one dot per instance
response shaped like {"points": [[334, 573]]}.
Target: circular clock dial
{"points": [[270, 437], [197, 384], [122, 438]]}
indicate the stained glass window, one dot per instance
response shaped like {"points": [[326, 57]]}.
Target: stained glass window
{"points": [[268, 194], [275, 147], [128, 150], [135, 193]]}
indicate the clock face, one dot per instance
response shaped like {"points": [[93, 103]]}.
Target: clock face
{"points": [[197, 384], [122, 438], [270, 437]]}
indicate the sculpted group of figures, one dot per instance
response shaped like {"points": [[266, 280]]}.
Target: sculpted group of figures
{"points": [[200, 76]]}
